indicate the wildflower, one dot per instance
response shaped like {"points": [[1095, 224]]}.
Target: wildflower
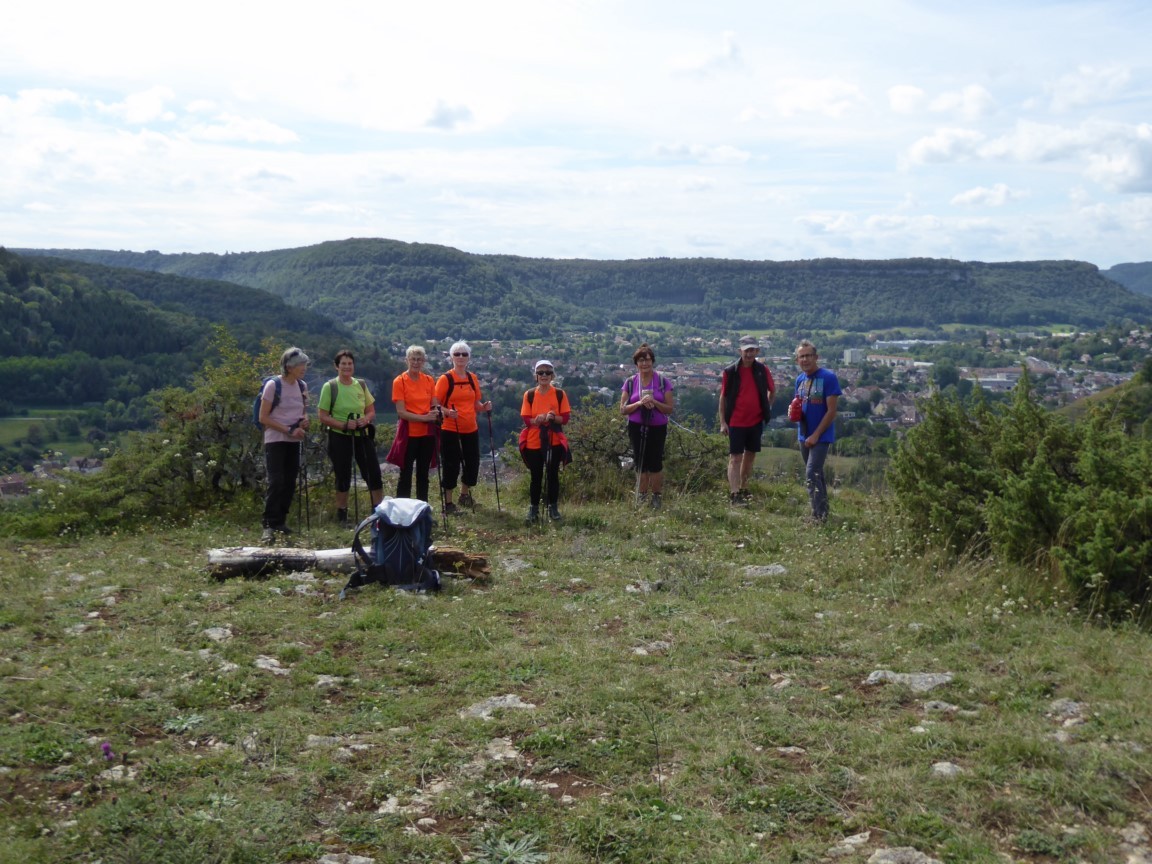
{"points": [[107, 750]]}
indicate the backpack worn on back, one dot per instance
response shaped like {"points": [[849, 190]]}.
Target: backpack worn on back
{"points": [[560, 397], [401, 551], [471, 382], [334, 391], [275, 398]]}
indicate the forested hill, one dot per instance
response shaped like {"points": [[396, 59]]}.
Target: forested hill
{"points": [[73, 332], [412, 290], [1134, 277]]}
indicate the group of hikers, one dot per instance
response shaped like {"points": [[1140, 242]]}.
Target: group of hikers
{"points": [[438, 427]]}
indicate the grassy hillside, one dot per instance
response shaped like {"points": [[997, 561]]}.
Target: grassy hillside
{"points": [[681, 687], [411, 290]]}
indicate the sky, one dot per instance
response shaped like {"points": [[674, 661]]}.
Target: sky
{"points": [[754, 129]]}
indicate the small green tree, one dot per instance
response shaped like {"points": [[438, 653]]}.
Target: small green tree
{"points": [[942, 472]]}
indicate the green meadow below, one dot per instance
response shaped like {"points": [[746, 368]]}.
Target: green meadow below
{"points": [[684, 686]]}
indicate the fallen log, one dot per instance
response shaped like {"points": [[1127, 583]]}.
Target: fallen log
{"points": [[261, 560]]}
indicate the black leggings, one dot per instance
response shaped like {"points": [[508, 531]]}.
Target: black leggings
{"points": [[417, 454], [282, 465], [456, 449], [340, 449], [534, 459]]}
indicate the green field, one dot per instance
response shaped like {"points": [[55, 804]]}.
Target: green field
{"points": [[13, 429]]}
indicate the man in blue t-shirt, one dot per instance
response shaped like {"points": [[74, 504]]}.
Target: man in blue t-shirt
{"points": [[819, 391]]}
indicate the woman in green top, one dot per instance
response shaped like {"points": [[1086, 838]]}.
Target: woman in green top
{"points": [[348, 409]]}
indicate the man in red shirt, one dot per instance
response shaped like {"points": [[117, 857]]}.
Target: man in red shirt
{"points": [[746, 395]]}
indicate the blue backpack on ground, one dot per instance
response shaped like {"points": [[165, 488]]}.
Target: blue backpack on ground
{"points": [[275, 398], [401, 547]]}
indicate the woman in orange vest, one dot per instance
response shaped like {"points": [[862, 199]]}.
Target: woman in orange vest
{"points": [[458, 391], [413, 393], [543, 445]]}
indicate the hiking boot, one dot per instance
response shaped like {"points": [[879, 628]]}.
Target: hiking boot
{"points": [[466, 500], [657, 502], [267, 537], [641, 499], [737, 500], [533, 515], [282, 529], [745, 495], [450, 509], [342, 518], [553, 513]]}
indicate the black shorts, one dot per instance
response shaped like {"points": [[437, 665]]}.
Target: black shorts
{"points": [[648, 446], [744, 439]]}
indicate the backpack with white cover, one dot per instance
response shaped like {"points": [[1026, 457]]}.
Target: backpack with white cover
{"points": [[401, 547]]}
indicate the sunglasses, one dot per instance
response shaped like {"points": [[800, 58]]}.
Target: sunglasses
{"points": [[459, 353], [543, 374]]}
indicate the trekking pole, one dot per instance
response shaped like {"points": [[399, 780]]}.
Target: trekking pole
{"points": [[352, 471], [645, 414], [492, 450], [307, 496], [436, 453], [546, 446], [300, 490]]}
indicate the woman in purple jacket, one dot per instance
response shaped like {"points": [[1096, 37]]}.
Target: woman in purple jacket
{"points": [[646, 399]]}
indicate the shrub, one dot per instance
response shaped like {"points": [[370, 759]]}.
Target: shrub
{"points": [[694, 460], [1035, 489]]}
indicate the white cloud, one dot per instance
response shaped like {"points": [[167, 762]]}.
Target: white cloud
{"points": [[143, 107], [1117, 156], [971, 102], [705, 155], [827, 96], [946, 145], [727, 59], [697, 184], [906, 99], [995, 196], [252, 130], [1124, 164], [447, 116], [34, 102], [828, 223], [1088, 85]]}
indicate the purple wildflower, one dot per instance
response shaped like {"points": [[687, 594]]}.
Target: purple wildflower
{"points": [[107, 748]]}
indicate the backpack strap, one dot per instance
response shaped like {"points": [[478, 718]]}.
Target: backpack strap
{"points": [[471, 381], [334, 392]]}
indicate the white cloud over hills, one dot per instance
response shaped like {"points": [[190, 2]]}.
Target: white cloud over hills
{"points": [[590, 129]]}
